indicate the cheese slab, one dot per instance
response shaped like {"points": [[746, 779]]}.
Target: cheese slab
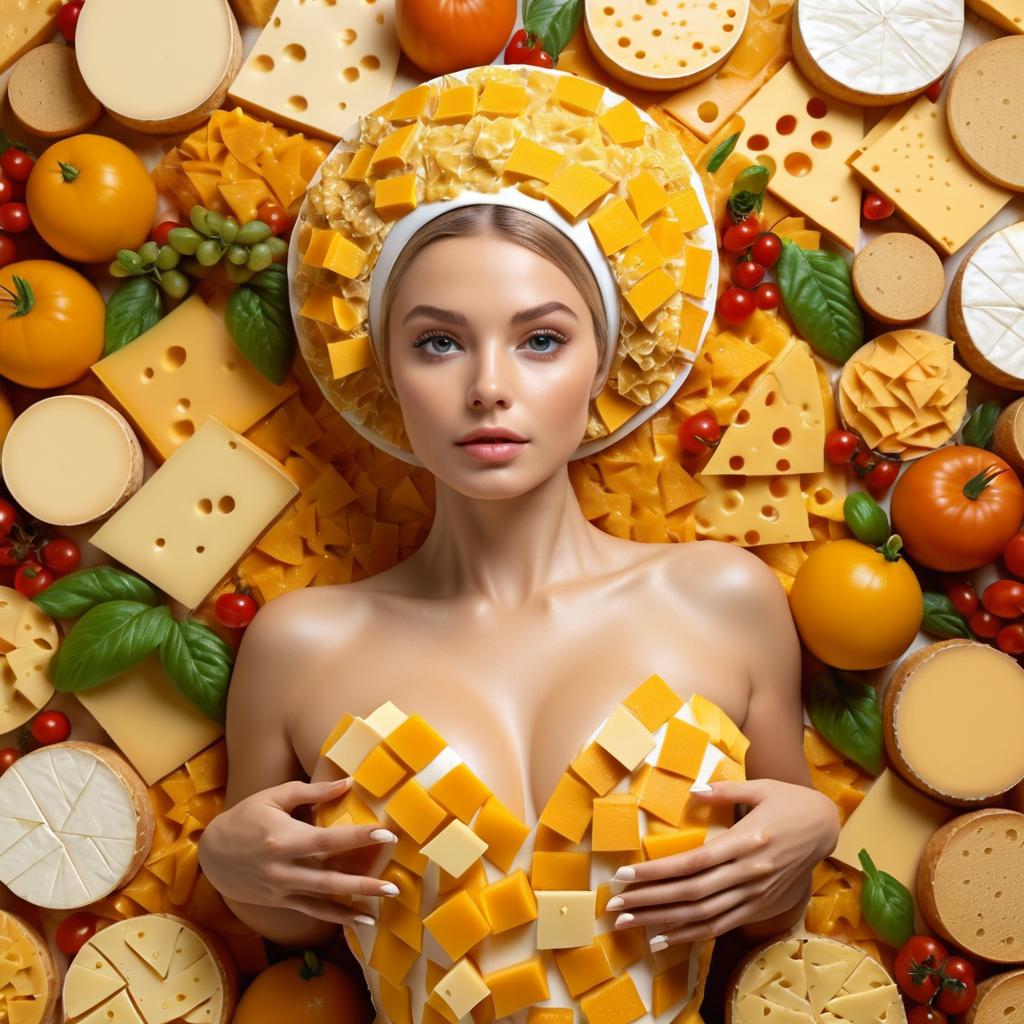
{"points": [[26, 25], [29, 639], [752, 510], [29, 985], [1006, 14]]}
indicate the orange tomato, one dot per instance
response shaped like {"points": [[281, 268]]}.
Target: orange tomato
{"points": [[51, 324], [89, 196], [856, 608], [448, 35], [957, 508]]}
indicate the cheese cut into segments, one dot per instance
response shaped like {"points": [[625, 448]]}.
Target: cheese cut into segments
{"points": [[986, 308], [130, 54], [752, 510], [321, 66], [968, 884], [637, 46], [166, 969], [951, 718], [75, 824], [29, 639], [183, 369], [804, 137], [25, 26], [780, 427], [876, 52], [985, 109], [1006, 14], [915, 166], [998, 999], [904, 393], [898, 278], [198, 513], [29, 983], [93, 457]]}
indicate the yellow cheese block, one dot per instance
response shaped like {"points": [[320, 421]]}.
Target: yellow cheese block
{"points": [[24, 26], [1005, 14], [29, 984], [752, 510]]}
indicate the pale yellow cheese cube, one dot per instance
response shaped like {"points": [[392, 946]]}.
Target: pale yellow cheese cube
{"points": [[455, 848], [462, 988], [565, 918], [353, 746], [625, 737]]}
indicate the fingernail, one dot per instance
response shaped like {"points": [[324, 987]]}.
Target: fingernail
{"points": [[614, 903], [623, 919], [659, 942], [700, 787], [382, 835], [389, 889], [342, 783], [625, 874], [363, 919]]}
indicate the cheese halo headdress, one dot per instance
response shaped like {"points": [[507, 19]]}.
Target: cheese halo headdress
{"points": [[565, 149]]}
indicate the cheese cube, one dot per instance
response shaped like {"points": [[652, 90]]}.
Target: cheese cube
{"points": [[623, 124], [416, 742], [569, 808], [647, 195], [683, 748], [460, 792], [462, 988], [641, 258], [356, 168], [692, 319], [708, 716], [344, 257], [616, 823], [615, 226], [574, 188], [625, 738], [651, 293], [457, 924], [583, 967], [665, 844], [386, 718], [669, 988], [503, 832], [472, 880], [407, 853], [549, 1015], [410, 887], [509, 902], [354, 745], [396, 1002], [529, 159], [521, 985], [578, 94], [398, 918], [613, 408], [695, 271], [455, 848], [391, 956], [668, 236], [412, 809], [598, 769], [456, 105], [379, 773], [565, 918], [613, 1002], [664, 795], [685, 204], [409, 104], [394, 197], [502, 99], [560, 869], [624, 946], [727, 769], [393, 149], [349, 355], [196, 516], [654, 702]]}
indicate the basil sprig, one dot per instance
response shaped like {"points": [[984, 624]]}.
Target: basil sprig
{"points": [[199, 664], [886, 904], [981, 426], [135, 306], [941, 618], [847, 713], [553, 21], [76, 593], [259, 321], [747, 193], [721, 152]]}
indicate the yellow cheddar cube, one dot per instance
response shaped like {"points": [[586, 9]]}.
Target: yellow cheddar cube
{"points": [[483, 1013], [598, 769], [683, 749], [460, 792], [407, 853], [455, 848], [547, 839], [393, 149], [569, 808], [349, 355], [614, 409], [391, 956], [518, 986], [409, 104], [457, 924], [380, 772], [560, 869], [669, 988], [502, 99], [647, 195], [623, 124], [529, 159], [357, 167], [664, 795], [343, 256], [416, 742], [651, 293], [398, 918], [318, 306], [641, 258], [697, 264], [584, 967], [727, 769], [472, 880], [709, 717], [615, 226], [410, 887], [503, 832], [549, 1015], [614, 1002], [616, 823], [317, 247], [686, 206], [691, 324], [509, 902], [578, 94], [396, 1002], [352, 941], [345, 314], [654, 702], [668, 236], [574, 188], [412, 809], [462, 988], [394, 197], [625, 737], [356, 808], [666, 844], [624, 946], [335, 734], [456, 105]]}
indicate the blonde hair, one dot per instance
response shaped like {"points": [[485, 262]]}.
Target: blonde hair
{"points": [[508, 222]]}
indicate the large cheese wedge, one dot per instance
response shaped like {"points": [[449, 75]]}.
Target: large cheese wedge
{"points": [[159, 65], [75, 824], [968, 884], [752, 510], [986, 308], [153, 969], [29, 985], [951, 715], [28, 640], [876, 52], [780, 427], [999, 999]]}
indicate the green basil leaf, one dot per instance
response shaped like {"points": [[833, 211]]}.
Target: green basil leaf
{"points": [[981, 426], [847, 713], [886, 904], [135, 306], [866, 518], [751, 179], [819, 298], [79, 591], [941, 619], [721, 153], [555, 21], [106, 641], [199, 664], [258, 319]]}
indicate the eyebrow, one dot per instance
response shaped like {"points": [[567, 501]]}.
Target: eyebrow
{"points": [[524, 315]]}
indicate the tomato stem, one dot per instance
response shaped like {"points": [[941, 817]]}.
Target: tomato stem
{"points": [[312, 965], [69, 171], [891, 548], [23, 299], [980, 481]]}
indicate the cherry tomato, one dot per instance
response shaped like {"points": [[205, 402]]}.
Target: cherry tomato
{"points": [[521, 50], [8, 755], [61, 555], [31, 578], [16, 163], [984, 624], [275, 217], [958, 990], [735, 305], [840, 446], [747, 274], [882, 476], [699, 433], [1004, 598], [767, 249], [160, 232], [1013, 555], [14, 218], [1010, 640], [741, 236], [864, 459], [926, 1015], [51, 727], [767, 296], [877, 207], [67, 19], [8, 517], [75, 931], [917, 966], [8, 250], [234, 610], [963, 597], [6, 191], [934, 90]]}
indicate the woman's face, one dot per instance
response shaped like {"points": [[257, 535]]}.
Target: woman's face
{"points": [[486, 334]]}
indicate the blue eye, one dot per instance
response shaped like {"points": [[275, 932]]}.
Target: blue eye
{"points": [[422, 342], [444, 344]]}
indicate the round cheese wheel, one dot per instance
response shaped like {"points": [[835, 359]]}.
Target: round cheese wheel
{"points": [[898, 278], [986, 308], [154, 969], [29, 984], [876, 52], [93, 459], [30, 640], [968, 883], [999, 999], [76, 823]]}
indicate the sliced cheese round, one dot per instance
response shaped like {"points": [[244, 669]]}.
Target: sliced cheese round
{"points": [[876, 52], [29, 984], [968, 883], [153, 969], [76, 823], [986, 308], [159, 65], [92, 457], [29, 639], [999, 1000], [898, 278]]}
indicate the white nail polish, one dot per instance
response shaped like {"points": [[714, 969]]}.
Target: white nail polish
{"points": [[615, 903], [625, 874], [389, 889], [624, 919], [700, 787], [615, 886], [658, 943], [363, 919], [383, 835]]}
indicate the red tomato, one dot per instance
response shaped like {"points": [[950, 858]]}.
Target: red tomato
{"points": [[767, 296], [958, 989], [925, 1015], [741, 236], [767, 249], [67, 19], [160, 232], [877, 207], [699, 433], [747, 274], [8, 517], [1010, 639], [14, 218], [75, 931], [234, 610], [51, 727], [735, 305], [882, 476], [275, 217], [864, 459], [840, 446], [1004, 598], [934, 90], [8, 250], [984, 624], [963, 596], [31, 579], [520, 51], [6, 191], [16, 164], [10, 553], [8, 755], [61, 555], [1013, 555], [917, 966]]}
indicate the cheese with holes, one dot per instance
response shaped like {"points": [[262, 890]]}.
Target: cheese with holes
{"points": [[75, 823], [780, 427], [1006, 14], [198, 513], [25, 25], [752, 510], [804, 138], [321, 66], [29, 985], [29, 640]]}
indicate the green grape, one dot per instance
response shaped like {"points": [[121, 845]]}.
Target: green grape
{"points": [[116, 270], [236, 274], [259, 257], [209, 252], [148, 252], [214, 221], [198, 216], [167, 258], [253, 232], [184, 240], [238, 254], [174, 284], [228, 230], [131, 261], [278, 246]]}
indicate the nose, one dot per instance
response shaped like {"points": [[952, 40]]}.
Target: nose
{"points": [[491, 376]]}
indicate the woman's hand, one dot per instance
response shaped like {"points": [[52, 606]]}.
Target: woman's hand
{"points": [[256, 852], [757, 869]]}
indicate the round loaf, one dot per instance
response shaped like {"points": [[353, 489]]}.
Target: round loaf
{"points": [[48, 95], [898, 278], [1008, 439], [999, 1000]]}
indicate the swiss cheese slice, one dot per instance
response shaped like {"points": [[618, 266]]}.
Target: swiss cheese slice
{"points": [[752, 510], [28, 978], [28, 640]]}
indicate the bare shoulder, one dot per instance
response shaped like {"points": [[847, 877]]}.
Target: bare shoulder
{"points": [[722, 574]]}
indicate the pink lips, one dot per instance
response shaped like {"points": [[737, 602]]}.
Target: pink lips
{"points": [[493, 451]]}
